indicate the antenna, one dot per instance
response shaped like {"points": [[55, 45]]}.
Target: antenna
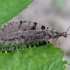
{"points": [[67, 29]]}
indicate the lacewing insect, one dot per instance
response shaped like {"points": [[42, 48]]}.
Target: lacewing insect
{"points": [[15, 34]]}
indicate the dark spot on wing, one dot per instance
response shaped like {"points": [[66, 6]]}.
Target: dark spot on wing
{"points": [[22, 36], [10, 23], [44, 43], [4, 26], [42, 27], [3, 51], [36, 45], [19, 47], [33, 28], [52, 29], [40, 44], [32, 45], [11, 39], [48, 42], [24, 29], [50, 36], [2, 29], [5, 40], [35, 24], [47, 27], [27, 46], [21, 22]]}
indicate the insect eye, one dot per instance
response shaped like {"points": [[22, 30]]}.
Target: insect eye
{"points": [[35, 23]]}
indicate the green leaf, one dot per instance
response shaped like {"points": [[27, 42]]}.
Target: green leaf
{"points": [[46, 57], [11, 8]]}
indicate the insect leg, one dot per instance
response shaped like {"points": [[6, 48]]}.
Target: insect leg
{"points": [[58, 41]]}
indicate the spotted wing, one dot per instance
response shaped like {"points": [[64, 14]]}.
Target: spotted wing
{"points": [[24, 32]]}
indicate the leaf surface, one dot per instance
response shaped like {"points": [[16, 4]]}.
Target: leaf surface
{"points": [[11, 8], [46, 57]]}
